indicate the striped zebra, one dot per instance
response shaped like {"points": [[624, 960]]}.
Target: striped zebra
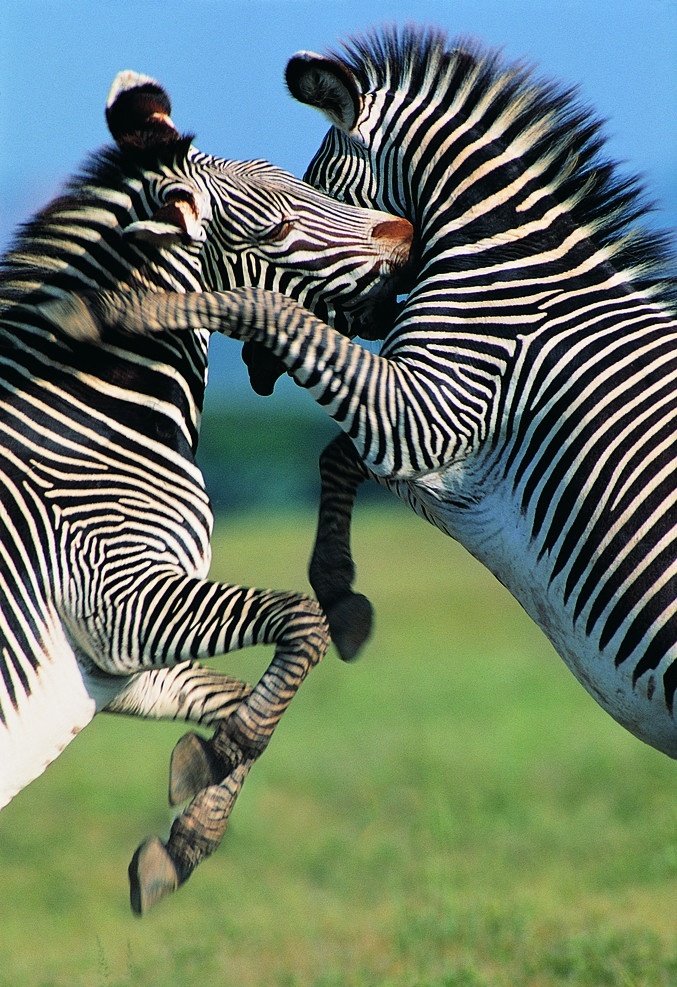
{"points": [[104, 521], [524, 401]]}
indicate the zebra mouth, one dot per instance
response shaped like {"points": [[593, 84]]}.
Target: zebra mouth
{"points": [[370, 318], [395, 237], [373, 319], [373, 316]]}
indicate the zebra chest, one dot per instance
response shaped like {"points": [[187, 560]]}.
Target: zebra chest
{"points": [[612, 620]]}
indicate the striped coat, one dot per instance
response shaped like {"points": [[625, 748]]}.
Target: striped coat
{"points": [[524, 400], [105, 525]]}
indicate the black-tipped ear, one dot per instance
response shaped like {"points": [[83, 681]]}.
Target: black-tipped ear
{"points": [[326, 84], [137, 112]]}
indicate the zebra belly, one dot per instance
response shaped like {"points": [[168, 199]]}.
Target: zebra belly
{"points": [[494, 531], [47, 710]]}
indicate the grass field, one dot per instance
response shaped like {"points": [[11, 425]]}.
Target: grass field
{"points": [[451, 811]]}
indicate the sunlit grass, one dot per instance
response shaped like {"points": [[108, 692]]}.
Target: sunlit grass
{"points": [[451, 811]]}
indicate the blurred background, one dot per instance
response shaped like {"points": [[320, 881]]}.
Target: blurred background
{"points": [[451, 811], [222, 62]]}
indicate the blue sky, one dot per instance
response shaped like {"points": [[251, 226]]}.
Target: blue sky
{"points": [[222, 62]]}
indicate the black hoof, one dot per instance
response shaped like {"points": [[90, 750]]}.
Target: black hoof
{"points": [[152, 875], [350, 623], [193, 767]]}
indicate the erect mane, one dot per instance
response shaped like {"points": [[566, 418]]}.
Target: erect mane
{"points": [[456, 75], [41, 237]]}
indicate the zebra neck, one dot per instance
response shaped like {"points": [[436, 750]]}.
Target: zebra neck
{"points": [[523, 262], [480, 303], [170, 368]]}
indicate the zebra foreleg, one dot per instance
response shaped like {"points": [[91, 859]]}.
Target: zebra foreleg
{"points": [[310, 351], [331, 569]]}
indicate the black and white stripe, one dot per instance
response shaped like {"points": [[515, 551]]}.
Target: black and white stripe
{"points": [[524, 401], [105, 524], [537, 420]]}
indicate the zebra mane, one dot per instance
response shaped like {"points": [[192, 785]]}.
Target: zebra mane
{"points": [[110, 164], [41, 237], [457, 76]]}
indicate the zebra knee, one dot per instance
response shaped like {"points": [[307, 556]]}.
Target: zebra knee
{"points": [[301, 641]]}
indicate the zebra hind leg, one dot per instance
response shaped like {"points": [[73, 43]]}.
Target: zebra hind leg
{"points": [[331, 569], [159, 868], [186, 691]]}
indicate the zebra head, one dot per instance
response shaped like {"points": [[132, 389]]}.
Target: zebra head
{"points": [[446, 133], [255, 224], [351, 158], [226, 224]]}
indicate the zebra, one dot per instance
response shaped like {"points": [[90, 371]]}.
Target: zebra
{"points": [[105, 524], [524, 400]]}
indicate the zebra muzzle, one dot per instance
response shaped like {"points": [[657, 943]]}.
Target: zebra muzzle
{"points": [[395, 238]]}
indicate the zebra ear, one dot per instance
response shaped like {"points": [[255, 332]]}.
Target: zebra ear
{"points": [[326, 84], [181, 217], [137, 112]]}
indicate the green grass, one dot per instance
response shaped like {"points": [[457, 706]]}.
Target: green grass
{"points": [[451, 811]]}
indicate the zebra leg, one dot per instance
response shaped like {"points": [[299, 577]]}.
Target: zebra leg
{"points": [[157, 869], [300, 632], [331, 569], [186, 691]]}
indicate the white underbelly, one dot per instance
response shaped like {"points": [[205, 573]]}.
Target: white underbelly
{"points": [[495, 533], [43, 723]]}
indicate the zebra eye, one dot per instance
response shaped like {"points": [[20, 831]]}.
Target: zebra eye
{"points": [[278, 232]]}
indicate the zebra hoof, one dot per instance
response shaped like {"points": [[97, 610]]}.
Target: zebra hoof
{"points": [[152, 875], [192, 768], [350, 622]]}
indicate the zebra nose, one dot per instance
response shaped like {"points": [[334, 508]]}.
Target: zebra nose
{"points": [[395, 236]]}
